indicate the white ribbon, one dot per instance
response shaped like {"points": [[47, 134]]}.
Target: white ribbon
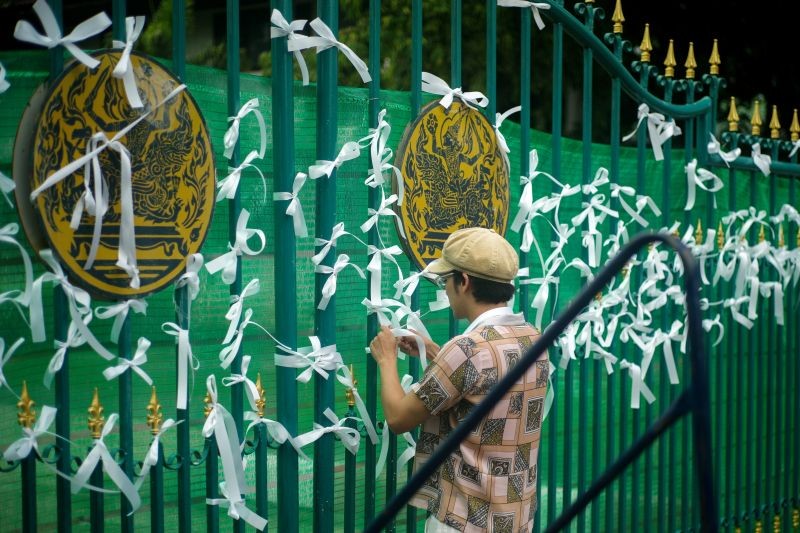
{"points": [[619, 192], [191, 277], [349, 151], [543, 293], [74, 339], [349, 436], [715, 148], [733, 304], [314, 358], [237, 507], [327, 244], [295, 209], [658, 127], [21, 448], [5, 356], [383, 210], [152, 455], [795, 147], [436, 85], [709, 324], [275, 429], [535, 7], [186, 360], [24, 31], [638, 386], [232, 135], [237, 305], [124, 68], [100, 454], [700, 177], [229, 352], [375, 267], [120, 311], [762, 161], [346, 379], [7, 233], [249, 386], [283, 28], [4, 85], [228, 262], [381, 156], [230, 183], [139, 358], [329, 288], [326, 39], [406, 383], [6, 186], [498, 122]]}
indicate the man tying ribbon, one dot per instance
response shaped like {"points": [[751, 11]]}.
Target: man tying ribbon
{"points": [[489, 484]]}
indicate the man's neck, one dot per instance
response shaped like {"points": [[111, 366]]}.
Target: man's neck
{"points": [[478, 309]]}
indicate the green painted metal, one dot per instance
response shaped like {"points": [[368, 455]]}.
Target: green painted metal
{"points": [[212, 484], [157, 493], [64, 462], [455, 43], [350, 482], [28, 493], [97, 502], [126, 421], [525, 54], [491, 59]]}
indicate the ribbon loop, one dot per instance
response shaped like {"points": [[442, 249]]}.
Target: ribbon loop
{"points": [[436, 85], [124, 68], [326, 39], [282, 28], [232, 134]]}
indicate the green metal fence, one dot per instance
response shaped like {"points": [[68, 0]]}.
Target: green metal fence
{"points": [[755, 376]]}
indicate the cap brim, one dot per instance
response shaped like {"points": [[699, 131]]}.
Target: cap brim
{"points": [[439, 267]]}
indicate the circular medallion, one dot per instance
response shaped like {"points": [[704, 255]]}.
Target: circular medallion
{"points": [[151, 177], [455, 175]]}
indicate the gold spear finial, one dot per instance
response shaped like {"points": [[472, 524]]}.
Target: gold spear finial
{"points": [[618, 18], [774, 124], [261, 401], [794, 129], [669, 62], [646, 47], [755, 120], [698, 233], [351, 398], [762, 235], [758, 528], [776, 523], [797, 242], [154, 415], [796, 518], [720, 236], [207, 405], [96, 418], [781, 239], [733, 116], [691, 63], [26, 416], [714, 61]]}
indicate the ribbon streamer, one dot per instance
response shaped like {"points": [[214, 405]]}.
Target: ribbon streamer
{"points": [[700, 177], [498, 122], [381, 156], [436, 85], [120, 312], [762, 161], [314, 358], [228, 262], [232, 135], [124, 68], [220, 424], [230, 183], [7, 185], [249, 386], [283, 28], [151, 457], [275, 429], [186, 360], [295, 209], [191, 277], [638, 387], [22, 448], [139, 358], [326, 39], [349, 151], [535, 7], [74, 340], [383, 210], [329, 288], [4, 85], [237, 305], [346, 379], [5, 356], [727, 157], [658, 127], [350, 437], [375, 267], [337, 231], [237, 508], [7, 233]]}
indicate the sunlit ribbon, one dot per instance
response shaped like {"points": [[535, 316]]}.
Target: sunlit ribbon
{"points": [[314, 358], [191, 277], [152, 456], [498, 122], [120, 312], [326, 39], [638, 386], [124, 68], [228, 262], [7, 233], [275, 429], [337, 231], [21, 448], [186, 360], [762, 161], [237, 507], [249, 386], [709, 324], [74, 340], [232, 135], [619, 192], [436, 85], [543, 293], [230, 183], [349, 151], [383, 210], [733, 304], [5, 356], [139, 358], [405, 383], [350, 437], [237, 305], [795, 147], [375, 267], [535, 7], [7, 185], [100, 454], [295, 208], [777, 298], [24, 31], [344, 377], [329, 288], [283, 28], [229, 352], [658, 127], [715, 148], [4, 85], [699, 177], [381, 156]]}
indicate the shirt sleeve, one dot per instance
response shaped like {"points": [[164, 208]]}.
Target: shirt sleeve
{"points": [[449, 377]]}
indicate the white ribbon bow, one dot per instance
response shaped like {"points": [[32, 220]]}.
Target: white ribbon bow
{"points": [[120, 312], [230, 183], [642, 201], [383, 210], [350, 437], [152, 456], [375, 267], [139, 358], [249, 386], [498, 122], [349, 151], [232, 135], [295, 208], [314, 358], [795, 147], [237, 305], [228, 262], [700, 177], [329, 288], [4, 85], [346, 379], [638, 386], [7, 233], [282, 28], [406, 383], [543, 293], [5, 356], [733, 304], [275, 429], [535, 7], [381, 156], [6, 186], [237, 507], [658, 127], [436, 85], [337, 231], [24, 31], [191, 277], [326, 39], [21, 448], [762, 161], [229, 352], [124, 68], [186, 360], [715, 148], [74, 339]]}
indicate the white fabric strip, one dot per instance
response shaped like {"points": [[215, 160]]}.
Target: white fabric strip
{"points": [[436, 85], [535, 7], [120, 312], [283, 28], [151, 457], [232, 134], [228, 262], [344, 377], [326, 39], [349, 151], [5, 356], [124, 68], [658, 127], [275, 429], [295, 209], [329, 288], [186, 361], [230, 183], [4, 85], [7, 234], [727, 157], [135, 363], [349, 436], [22, 448]]}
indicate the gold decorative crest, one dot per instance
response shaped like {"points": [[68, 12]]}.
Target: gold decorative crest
{"points": [[455, 176], [171, 166]]}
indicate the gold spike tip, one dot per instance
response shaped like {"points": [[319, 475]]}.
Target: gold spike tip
{"points": [[796, 518], [762, 235], [691, 63], [714, 61], [720, 237], [669, 62], [755, 120], [154, 415], [207, 405], [794, 129], [733, 116], [758, 527], [698, 233], [618, 18], [776, 523], [774, 124], [96, 418], [261, 401], [646, 47], [781, 239], [26, 416], [797, 242], [351, 397]]}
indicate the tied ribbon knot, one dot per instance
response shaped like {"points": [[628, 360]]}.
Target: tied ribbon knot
{"points": [[384, 210], [535, 7], [232, 134], [337, 231], [237, 305], [152, 456], [436, 85], [74, 340], [139, 358], [349, 151], [124, 68], [729, 157], [326, 39], [638, 387], [228, 262], [658, 127], [186, 360], [375, 267], [498, 122], [329, 288], [249, 386], [762, 161], [7, 233], [229, 353], [230, 183], [22, 448], [619, 192], [350, 437], [275, 429], [381, 155], [283, 28], [706, 180], [295, 208], [314, 358], [120, 312], [191, 278], [237, 507], [344, 377]]}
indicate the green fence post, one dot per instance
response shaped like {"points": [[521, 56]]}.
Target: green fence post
{"points": [[524, 149], [491, 59]]}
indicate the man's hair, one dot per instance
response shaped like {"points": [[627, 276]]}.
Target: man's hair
{"points": [[486, 291]]}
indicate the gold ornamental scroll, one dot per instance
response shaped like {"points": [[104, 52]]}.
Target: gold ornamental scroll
{"points": [[455, 175], [172, 175]]}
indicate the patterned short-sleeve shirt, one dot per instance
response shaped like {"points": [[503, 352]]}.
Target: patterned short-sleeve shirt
{"points": [[489, 483]]}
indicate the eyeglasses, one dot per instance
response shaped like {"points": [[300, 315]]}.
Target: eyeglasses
{"points": [[441, 281]]}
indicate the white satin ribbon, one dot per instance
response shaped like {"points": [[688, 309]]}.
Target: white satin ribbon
{"points": [[349, 151], [535, 7], [715, 148], [229, 352], [151, 457], [228, 262], [237, 305], [528, 209], [436, 85], [191, 277], [5, 356], [326, 39], [74, 340], [275, 429], [237, 507], [619, 192], [381, 156], [658, 127], [186, 360], [700, 177], [283, 28], [337, 231], [638, 387], [124, 68], [295, 208], [709, 324], [441, 301], [498, 122], [795, 147], [733, 304], [329, 288], [7, 233], [375, 267], [100, 454], [22, 448], [314, 358], [4, 85], [249, 386], [7, 185], [350, 437], [382, 308], [344, 377], [762, 161], [139, 358], [230, 183], [120, 312], [232, 134], [383, 210], [543, 293], [405, 383], [52, 37]]}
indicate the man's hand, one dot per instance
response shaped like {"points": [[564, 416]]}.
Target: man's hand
{"points": [[409, 346], [384, 347]]}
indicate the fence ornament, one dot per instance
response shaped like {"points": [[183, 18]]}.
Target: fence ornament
{"points": [[134, 364], [24, 31], [336, 232], [5, 356], [314, 358], [191, 277], [381, 155], [7, 233], [436, 85], [535, 7], [22, 448], [620, 192], [375, 267], [237, 508], [350, 437], [229, 352], [230, 183], [326, 39], [706, 180], [228, 262], [295, 208], [384, 210], [638, 387], [762, 161], [124, 68], [282, 28], [151, 457], [350, 150], [329, 288], [658, 127], [232, 134], [120, 312], [4, 85], [237, 305], [276, 431], [345, 377], [186, 360], [727, 157]]}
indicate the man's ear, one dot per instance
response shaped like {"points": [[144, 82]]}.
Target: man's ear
{"points": [[466, 284]]}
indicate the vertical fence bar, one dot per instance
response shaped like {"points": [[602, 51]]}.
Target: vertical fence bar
{"points": [[154, 418], [56, 53], [212, 483], [525, 146], [27, 419], [350, 475], [126, 422], [491, 58], [796, 407], [455, 81], [774, 349], [753, 494]]}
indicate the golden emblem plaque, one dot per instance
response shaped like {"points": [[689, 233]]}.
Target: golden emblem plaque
{"points": [[455, 175], [169, 160]]}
